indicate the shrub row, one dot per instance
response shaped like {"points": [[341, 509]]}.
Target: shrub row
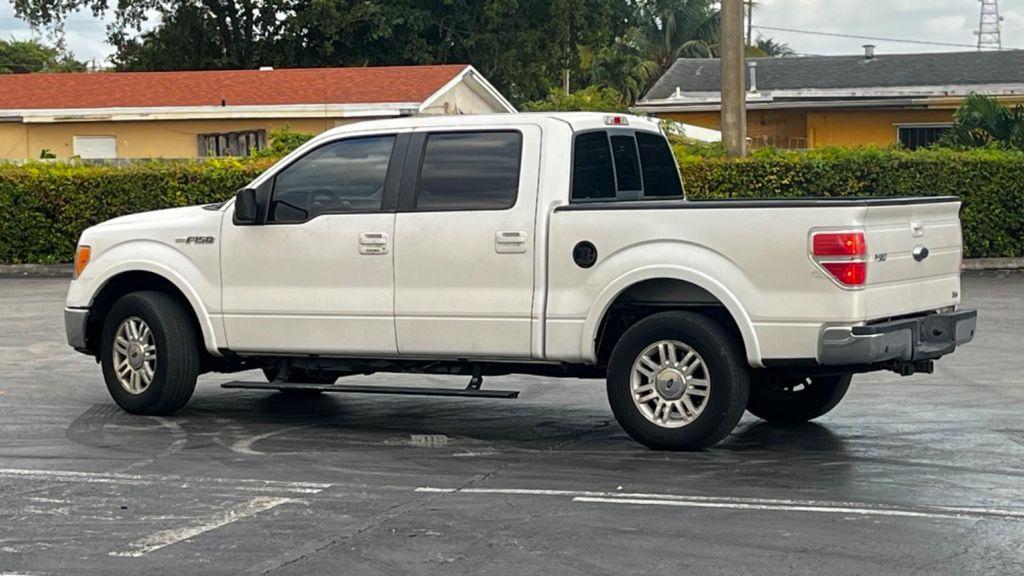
{"points": [[44, 207], [990, 183]]}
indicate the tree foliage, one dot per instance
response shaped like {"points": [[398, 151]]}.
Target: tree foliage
{"points": [[591, 98], [982, 121], [525, 47], [23, 56]]}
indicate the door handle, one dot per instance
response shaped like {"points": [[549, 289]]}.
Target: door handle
{"points": [[510, 242], [373, 243]]}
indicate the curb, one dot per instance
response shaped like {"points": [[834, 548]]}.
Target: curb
{"points": [[994, 264], [65, 270], [36, 270]]}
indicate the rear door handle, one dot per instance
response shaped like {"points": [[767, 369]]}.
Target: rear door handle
{"points": [[510, 242], [372, 243]]}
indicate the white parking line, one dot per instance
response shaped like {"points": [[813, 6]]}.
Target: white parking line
{"points": [[240, 484], [758, 504], [165, 538]]}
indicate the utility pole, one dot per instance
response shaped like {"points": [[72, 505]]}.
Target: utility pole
{"points": [[750, 21], [734, 98]]}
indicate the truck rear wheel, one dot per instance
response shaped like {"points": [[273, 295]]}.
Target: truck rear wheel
{"points": [[677, 381], [150, 353], [795, 400]]}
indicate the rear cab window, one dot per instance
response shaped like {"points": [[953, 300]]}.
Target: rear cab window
{"points": [[623, 165]]}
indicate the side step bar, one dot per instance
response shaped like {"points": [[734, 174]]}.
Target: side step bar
{"points": [[356, 389]]}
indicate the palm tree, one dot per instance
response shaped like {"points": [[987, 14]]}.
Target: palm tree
{"points": [[982, 121], [769, 47], [679, 29], [622, 69]]}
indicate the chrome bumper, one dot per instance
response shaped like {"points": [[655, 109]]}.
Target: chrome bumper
{"points": [[911, 340], [75, 320]]}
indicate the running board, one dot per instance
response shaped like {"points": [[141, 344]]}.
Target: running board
{"points": [[355, 389]]}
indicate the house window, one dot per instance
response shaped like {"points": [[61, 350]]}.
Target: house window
{"points": [[917, 136], [232, 143], [94, 147]]}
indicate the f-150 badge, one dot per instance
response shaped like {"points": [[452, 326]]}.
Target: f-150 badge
{"points": [[196, 240]]}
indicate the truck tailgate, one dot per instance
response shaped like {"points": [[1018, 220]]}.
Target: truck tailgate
{"points": [[914, 256]]}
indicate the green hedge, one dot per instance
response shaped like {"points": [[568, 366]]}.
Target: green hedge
{"points": [[990, 183], [44, 207]]}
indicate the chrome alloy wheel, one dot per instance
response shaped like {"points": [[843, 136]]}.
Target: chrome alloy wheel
{"points": [[134, 355], [670, 384]]}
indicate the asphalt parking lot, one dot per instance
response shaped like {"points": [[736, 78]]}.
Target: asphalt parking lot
{"points": [[916, 475]]}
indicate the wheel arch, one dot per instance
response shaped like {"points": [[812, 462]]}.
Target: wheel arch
{"points": [[119, 283], [660, 288]]}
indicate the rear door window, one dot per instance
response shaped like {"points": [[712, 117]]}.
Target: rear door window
{"points": [[469, 171]]}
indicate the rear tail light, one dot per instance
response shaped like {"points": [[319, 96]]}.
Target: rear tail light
{"points": [[842, 255], [840, 244]]}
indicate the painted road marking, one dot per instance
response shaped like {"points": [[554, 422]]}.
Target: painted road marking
{"points": [[240, 484], [165, 538], [759, 504]]}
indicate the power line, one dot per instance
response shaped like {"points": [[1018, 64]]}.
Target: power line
{"points": [[877, 38]]}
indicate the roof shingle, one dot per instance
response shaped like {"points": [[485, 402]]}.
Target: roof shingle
{"points": [[232, 87], [851, 72]]}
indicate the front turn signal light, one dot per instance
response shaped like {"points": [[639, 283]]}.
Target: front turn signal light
{"points": [[82, 255]]}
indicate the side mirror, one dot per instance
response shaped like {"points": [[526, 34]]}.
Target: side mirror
{"points": [[247, 210]]}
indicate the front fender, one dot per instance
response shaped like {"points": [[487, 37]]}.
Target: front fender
{"points": [[199, 286]]}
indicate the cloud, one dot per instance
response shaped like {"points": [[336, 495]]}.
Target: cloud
{"points": [[85, 34]]}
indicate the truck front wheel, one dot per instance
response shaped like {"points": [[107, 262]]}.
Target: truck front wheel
{"points": [[150, 353], [677, 381], [795, 400]]}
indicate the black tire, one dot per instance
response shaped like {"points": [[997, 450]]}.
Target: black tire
{"points": [[795, 400], [177, 353], [726, 371]]}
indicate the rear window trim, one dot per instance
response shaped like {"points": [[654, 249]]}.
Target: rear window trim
{"points": [[609, 132]]}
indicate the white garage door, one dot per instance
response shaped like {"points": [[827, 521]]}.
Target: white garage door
{"points": [[95, 147]]}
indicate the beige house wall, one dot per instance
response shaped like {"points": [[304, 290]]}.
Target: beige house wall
{"points": [[142, 139]]}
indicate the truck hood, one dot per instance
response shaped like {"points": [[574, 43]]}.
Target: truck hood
{"points": [[144, 220], [173, 227]]}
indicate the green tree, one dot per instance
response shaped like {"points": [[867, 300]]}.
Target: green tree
{"points": [[591, 98], [673, 29], [982, 121], [770, 47], [523, 46], [622, 69], [23, 56]]}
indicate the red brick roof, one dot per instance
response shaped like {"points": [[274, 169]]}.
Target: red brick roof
{"points": [[234, 87]]}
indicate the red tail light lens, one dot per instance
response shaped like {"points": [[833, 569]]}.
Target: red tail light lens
{"points": [[842, 255], [848, 273], [839, 244]]}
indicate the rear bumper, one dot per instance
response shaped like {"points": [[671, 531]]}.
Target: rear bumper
{"points": [[911, 340], [75, 321]]}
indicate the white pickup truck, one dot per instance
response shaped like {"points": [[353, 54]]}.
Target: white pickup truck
{"points": [[552, 244]]}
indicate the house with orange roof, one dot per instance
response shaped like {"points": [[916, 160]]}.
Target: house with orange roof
{"points": [[107, 115]]}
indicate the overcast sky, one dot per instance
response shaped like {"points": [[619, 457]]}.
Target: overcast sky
{"points": [[948, 21]]}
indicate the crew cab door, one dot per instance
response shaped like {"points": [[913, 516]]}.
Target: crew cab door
{"points": [[464, 242], [317, 276]]}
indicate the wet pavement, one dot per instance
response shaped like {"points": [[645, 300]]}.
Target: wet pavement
{"points": [[908, 475]]}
